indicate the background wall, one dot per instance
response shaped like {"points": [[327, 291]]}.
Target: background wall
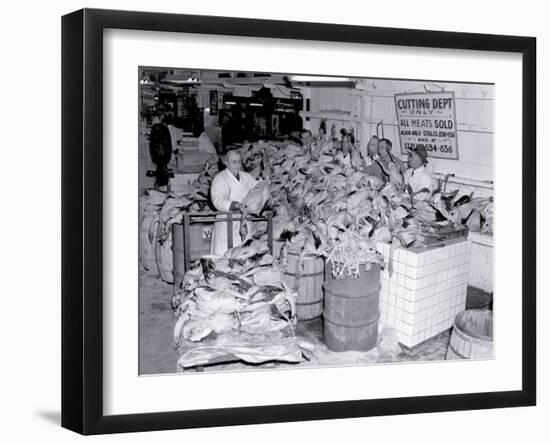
{"points": [[30, 183], [370, 110]]}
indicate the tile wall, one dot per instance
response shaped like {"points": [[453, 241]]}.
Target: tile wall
{"points": [[425, 291]]}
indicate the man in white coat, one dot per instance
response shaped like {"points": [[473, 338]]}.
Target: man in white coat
{"points": [[228, 190], [417, 176]]}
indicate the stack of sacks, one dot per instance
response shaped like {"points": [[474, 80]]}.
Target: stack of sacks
{"points": [[171, 212], [160, 210], [150, 206]]}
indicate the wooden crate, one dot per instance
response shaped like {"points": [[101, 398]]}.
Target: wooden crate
{"points": [[446, 233], [200, 235]]}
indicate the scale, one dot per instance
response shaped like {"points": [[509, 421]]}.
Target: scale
{"points": [[160, 150]]}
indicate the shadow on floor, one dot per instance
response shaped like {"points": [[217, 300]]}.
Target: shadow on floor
{"points": [[54, 417]]}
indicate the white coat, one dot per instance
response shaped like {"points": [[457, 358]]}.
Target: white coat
{"points": [[224, 190], [418, 179], [345, 160]]}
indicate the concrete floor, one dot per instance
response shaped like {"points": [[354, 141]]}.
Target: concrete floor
{"points": [[158, 356]]}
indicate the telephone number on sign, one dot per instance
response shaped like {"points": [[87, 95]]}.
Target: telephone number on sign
{"points": [[443, 149]]}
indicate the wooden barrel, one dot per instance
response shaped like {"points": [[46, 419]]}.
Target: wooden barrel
{"points": [[352, 310], [200, 236], [309, 304], [472, 335], [147, 240]]}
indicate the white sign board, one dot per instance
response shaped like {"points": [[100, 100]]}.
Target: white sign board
{"points": [[428, 119]]}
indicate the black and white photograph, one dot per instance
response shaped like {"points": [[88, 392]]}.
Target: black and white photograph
{"points": [[241, 221], [292, 221]]}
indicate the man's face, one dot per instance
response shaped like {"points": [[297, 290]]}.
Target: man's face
{"points": [[233, 162], [414, 160], [372, 147], [384, 149]]}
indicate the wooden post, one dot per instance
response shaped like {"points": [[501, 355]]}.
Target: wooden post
{"points": [[229, 230], [186, 242]]}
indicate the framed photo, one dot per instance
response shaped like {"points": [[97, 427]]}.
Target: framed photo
{"points": [[270, 221]]}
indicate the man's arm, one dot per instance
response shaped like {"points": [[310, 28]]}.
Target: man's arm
{"points": [[425, 191], [219, 192]]}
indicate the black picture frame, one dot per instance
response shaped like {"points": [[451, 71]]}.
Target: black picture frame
{"points": [[82, 216]]}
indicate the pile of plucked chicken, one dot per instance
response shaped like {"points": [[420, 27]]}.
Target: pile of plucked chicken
{"points": [[236, 307], [325, 207]]}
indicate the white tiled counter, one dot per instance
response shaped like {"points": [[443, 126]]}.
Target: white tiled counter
{"points": [[426, 290]]}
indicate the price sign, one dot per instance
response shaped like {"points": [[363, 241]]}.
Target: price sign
{"points": [[429, 120]]}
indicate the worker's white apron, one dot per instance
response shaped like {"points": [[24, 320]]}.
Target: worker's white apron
{"points": [[225, 189]]}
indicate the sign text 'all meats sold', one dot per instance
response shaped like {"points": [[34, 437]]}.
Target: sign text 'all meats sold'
{"points": [[428, 119]]}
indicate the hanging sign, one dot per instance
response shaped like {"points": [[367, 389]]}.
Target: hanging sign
{"points": [[428, 119]]}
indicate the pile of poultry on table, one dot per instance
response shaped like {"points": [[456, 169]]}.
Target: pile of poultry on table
{"points": [[239, 305]]}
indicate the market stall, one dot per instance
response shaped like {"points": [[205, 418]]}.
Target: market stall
{"points": [[338, 250]]}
